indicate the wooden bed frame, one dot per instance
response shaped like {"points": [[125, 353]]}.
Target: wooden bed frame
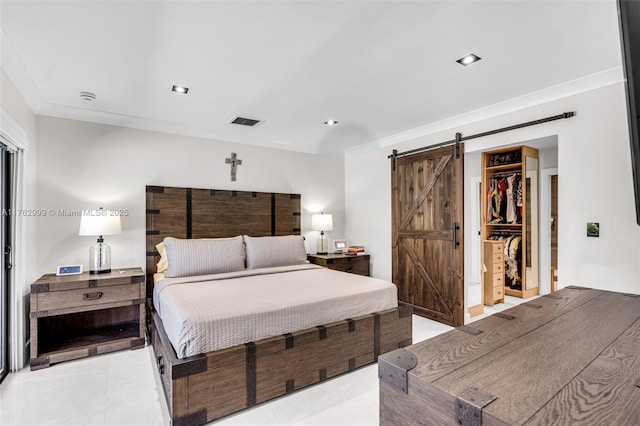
{"points": [[205, 387]]}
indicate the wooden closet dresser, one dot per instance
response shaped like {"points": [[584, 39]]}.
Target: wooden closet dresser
{"points": [[494, 273]]}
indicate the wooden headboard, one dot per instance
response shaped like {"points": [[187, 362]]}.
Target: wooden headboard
{"points": [[211, 213]]}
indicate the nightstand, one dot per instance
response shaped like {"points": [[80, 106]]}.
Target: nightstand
{"points": [[78, 316], [341, 262]]}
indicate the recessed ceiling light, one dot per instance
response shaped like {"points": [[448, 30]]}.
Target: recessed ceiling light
{"points": [[180, 89], [468, 60], [87, 96], [331, 122]]}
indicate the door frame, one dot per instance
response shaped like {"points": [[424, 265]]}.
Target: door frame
{"points": [[545, 229], [475, 274], [14, 137]]}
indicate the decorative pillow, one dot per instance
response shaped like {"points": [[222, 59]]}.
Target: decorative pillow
{"points": [[203, 256], [263, 252], [163, 264]]}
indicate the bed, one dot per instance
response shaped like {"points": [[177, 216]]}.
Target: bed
{"points": [[253, 344]]}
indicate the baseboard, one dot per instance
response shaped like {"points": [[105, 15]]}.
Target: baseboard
{"points": [[476, 310]]}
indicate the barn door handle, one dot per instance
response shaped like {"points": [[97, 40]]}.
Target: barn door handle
{"points": [[160, 362], [456, 243]]}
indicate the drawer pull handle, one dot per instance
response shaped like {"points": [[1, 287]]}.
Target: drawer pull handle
{"points": [[92, 296], [160, 365]]}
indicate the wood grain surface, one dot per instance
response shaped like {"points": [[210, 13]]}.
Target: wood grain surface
{"points": [[213, 213], [427, 203], [212, 385], [573, 358]]}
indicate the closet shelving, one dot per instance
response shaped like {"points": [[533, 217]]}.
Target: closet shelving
{"points": [[509, 203]]}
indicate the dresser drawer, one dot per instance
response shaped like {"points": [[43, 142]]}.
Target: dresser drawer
{"points": [[351, 264], [50, 301], [497, 280], [498, 248], [498, 293], [494, 268], [357, 267]]}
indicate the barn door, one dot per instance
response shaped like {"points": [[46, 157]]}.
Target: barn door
{"points": [[427, 239]]}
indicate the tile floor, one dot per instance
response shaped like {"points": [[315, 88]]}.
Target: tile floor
{"points": [[121, 389], [509, 302]]}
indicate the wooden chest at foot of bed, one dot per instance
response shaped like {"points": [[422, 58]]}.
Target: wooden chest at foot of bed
{"points": [[570, 357], [206, 387]]}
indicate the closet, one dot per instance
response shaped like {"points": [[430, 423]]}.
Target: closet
{"points": [[509, 223]]}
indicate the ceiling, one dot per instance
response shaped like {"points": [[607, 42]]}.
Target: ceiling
{"points": [[379, 68]]}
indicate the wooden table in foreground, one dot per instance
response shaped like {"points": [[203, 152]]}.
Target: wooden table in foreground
{"points": [[570, 357]]}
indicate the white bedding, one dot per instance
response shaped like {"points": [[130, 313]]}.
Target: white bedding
{"points": [[210, 312]]}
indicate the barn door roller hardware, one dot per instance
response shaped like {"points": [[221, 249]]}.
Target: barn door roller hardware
{"points": [[459, 138]]}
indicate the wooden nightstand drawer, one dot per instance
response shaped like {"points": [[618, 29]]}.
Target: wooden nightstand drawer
{"points": [[340, 262], [84, 297], [357, 267]]}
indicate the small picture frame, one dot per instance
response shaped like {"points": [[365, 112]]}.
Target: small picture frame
{"points": [[69, 270], [339, 246], [593, 229]]}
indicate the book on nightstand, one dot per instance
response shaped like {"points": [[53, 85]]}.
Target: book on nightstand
{"points": [[355, 249]]}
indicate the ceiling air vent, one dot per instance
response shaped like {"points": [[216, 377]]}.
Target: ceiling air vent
{"points": [[88, 96], [245, 121]]}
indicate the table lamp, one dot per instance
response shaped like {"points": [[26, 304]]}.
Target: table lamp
{"points": [[322, 222], [99, 223]]}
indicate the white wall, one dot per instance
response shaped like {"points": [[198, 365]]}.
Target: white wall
{"points": [[595, 186], [85, 165]]}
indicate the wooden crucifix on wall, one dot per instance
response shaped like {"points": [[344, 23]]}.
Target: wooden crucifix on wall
{"points": [[235, 162]]}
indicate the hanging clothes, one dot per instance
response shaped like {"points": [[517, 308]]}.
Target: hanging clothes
{"points": [[504, 199], [512, 258]]}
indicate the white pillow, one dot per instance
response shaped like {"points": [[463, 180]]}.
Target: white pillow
{"points": [[163, 264], [203, 256], [263, 252]]}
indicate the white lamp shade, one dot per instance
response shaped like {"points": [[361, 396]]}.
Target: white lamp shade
{"points": [[321, 222], [99, 222]]}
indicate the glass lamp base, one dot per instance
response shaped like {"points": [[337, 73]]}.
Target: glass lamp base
{"points": [[322, 244], [100, 258]]}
